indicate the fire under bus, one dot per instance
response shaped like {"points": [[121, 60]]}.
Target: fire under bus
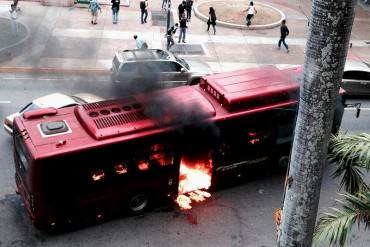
{"points": [[87, 163]]}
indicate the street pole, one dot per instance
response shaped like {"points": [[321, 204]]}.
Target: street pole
{"points": [[168, 14]]}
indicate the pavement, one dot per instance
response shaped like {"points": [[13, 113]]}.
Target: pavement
{"points": [[62, 38]]}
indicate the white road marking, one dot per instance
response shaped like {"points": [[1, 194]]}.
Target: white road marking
{"points": [[5, 102]]}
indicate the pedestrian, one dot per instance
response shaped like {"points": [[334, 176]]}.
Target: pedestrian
{"points": [[140, 44], [13, 19], [212, 19], [189, 6], [144, 10], [164, 4], [284, 31], [94, 6], [251, 11], [115, 10], [14, 7], [183, 28], [169, 35], [181, 9]]}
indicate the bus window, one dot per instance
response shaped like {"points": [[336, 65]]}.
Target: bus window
{"points": [[98, 175], [160, 155], [143, 165], [120, 168]]}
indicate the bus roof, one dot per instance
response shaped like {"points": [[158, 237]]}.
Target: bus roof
{"points": [[102, 123]]}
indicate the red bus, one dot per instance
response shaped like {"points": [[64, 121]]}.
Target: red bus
{"points": [[91, 162]]}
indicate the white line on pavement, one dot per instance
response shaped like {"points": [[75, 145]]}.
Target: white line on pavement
{"points": [[5, 102]]}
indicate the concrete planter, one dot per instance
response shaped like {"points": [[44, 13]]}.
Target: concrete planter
{"points": [[59, 3]]}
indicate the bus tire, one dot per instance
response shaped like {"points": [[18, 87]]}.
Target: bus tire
{"points": [[138, 203], [283, 161]]}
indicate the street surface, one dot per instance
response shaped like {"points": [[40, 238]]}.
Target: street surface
{"points": [[63, 39]]}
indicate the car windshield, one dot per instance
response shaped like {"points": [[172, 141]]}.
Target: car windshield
{"points": [[29, 107], [183, 62]]}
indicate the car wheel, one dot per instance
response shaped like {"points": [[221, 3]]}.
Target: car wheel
{"points": [[138, 203], [194, 81]]}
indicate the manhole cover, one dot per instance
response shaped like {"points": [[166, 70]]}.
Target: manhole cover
{"points": [[187, 49], [159, 18]]}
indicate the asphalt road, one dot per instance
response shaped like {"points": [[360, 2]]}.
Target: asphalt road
{"points": [[236, 216]]}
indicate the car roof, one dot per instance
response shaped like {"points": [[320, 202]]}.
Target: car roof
{"points": [[56, 100], [353, 65], [144, 55]]}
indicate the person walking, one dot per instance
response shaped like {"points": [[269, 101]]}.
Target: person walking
{"points": [[140, 44], [212, 20], [169, 35], [251, 11], [94, 6], [164, 4], [115, 10], [188, 8], [144, 10], [284, 31], [183, 28], [181, 9]]}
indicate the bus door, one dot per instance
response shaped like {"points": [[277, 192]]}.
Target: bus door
{"points": [[245, 142], [22, 169]]}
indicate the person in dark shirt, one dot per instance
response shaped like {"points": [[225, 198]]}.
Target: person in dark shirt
{"points": [[144, 10], [170, 33], [181, 9], [212, 19], [284, 31], [183, 28], [189, 6], [115, 10]]}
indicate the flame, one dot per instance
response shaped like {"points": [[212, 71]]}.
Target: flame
{"points": [[194, 178]]}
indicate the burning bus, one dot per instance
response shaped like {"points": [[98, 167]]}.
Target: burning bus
{"points": [[93, 161]]}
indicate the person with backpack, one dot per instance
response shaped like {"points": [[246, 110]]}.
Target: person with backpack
{"points": [[188, 8], [284, 31], [183, 28], [140, 44], [212, 20], [115, 10], [181, 9], [94, 6], [170, 33], [144, 10], [251, 11]]}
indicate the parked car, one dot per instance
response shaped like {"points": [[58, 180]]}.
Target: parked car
{"points": [[56, 100], [135, 66], [356, 78]]}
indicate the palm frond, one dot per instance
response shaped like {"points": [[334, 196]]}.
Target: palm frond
{"points": [[351, 153], [334, 227]]}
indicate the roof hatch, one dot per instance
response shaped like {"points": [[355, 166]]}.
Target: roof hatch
{"points": [[251, 88]]}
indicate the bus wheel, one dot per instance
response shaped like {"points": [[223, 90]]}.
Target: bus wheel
{"points": [[138, 203], [283, 161]]}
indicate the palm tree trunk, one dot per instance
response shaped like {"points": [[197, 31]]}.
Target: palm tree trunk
{"points": [[326, 50]]}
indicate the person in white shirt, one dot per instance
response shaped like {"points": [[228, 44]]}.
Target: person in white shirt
{"points": [[251, 11], [140, 44]]}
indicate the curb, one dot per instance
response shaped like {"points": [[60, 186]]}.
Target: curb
{"points": [[53, 70], [237, 26]]}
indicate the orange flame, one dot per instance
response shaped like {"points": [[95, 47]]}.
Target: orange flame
{"points": [[194, 179]]}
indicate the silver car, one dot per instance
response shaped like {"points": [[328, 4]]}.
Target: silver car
{"points": [[356, 78], [135, 66], [56, 100]]}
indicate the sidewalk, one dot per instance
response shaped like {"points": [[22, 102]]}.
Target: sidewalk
{"points": [[63, 38]]}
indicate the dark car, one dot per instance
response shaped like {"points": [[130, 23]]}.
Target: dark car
{"points": [[356, 78], [136, 66]]}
